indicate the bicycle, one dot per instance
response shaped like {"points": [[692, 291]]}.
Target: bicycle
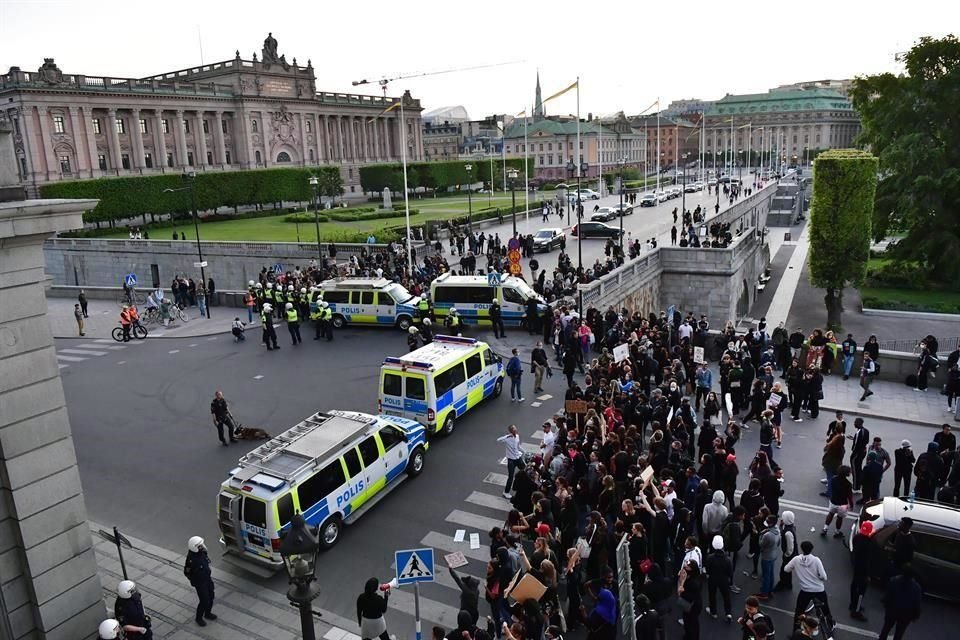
{"points": [[151, 316], [815, 609], [137, 331], [176, 313], [133, 297]]}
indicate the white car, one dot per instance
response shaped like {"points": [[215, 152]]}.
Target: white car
{"points": [[648, 200], [589, 194], [663, 195]]}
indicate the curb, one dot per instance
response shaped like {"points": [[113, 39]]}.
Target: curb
{"points": [[217, 332], [882, 416]]}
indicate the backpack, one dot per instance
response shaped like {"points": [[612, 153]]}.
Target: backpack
{"points": [[876, 368], [731, 535]]}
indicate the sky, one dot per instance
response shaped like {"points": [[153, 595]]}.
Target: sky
{"points": [[627, 54]]}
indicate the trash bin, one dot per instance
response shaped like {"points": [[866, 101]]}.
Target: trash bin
{"points": [[787, 236]]}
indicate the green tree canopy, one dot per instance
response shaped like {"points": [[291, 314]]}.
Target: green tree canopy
{"points": [[844, 185], [912, 122]]}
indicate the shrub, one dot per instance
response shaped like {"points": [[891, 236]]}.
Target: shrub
{"points": [[873, 302], [898, 275], [303, 217]]}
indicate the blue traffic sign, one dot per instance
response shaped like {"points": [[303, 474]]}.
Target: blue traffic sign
{"points": [[278, 268], [414, 565], [493, 279], [130, 279]]}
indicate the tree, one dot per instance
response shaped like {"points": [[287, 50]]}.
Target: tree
{"points": [[910, 121], [844, 187], [331, 184]]}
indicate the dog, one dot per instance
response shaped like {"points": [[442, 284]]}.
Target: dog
{"points": [[250, 433]]}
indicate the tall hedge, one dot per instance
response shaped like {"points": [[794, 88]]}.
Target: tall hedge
{"points": [[841, 215], [435, 175], [138, 195]]}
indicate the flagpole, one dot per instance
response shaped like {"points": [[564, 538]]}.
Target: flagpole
{"points": [[503, 154], [579, 219], [749, 145], [526, 176], [406, 194], [600, 156], [658, 149]]}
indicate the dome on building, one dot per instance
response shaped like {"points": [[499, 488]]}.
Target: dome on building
{"points": [[446, 114]]}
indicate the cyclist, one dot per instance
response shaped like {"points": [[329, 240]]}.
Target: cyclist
{"points": [[125, 322], [153, 300], [812, 579], [165, 311], [134, 316]]}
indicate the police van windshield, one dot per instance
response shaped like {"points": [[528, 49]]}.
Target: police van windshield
{"points": [[398, 293], [525, 289]]}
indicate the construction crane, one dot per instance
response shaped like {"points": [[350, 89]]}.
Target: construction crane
{"points": [[383, 82]]}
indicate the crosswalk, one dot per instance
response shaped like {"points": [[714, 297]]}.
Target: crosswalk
{"points": [[95, 349]]}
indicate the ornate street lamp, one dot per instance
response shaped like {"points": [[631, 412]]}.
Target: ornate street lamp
{"points": [[299, 548], [469, 168], [315, 183], [512, 174]]}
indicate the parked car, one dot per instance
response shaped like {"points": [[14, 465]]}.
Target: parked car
{"points": [[589, 194], [936, 540], [623, 209], [676, 192], [648, 200], [547, 239], [693, 187], [663, 195], [604, 214], [595, 230]]}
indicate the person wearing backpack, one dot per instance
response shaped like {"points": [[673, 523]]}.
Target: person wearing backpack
{"points": [[927, 364], [515, 371]]}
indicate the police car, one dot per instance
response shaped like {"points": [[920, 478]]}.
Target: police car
{"points": [[439, 382], [472, 297], [331, 467], [376, 301]]}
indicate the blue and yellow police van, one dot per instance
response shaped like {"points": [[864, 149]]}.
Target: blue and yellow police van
{"points": [[369, 301]]}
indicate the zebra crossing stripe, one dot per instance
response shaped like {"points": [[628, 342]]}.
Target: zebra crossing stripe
{"points": [[442, 614], [62, 366], [473, 521], [69, 358], [498, 503], [445, 543], [81, 352], [496, 478]]}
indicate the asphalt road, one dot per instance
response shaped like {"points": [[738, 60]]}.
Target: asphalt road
{"points": [[151, 464]]}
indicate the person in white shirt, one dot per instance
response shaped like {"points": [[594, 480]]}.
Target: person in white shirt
{"points": [[548, 443], [812, 579], [514, 456], [685, 330]]}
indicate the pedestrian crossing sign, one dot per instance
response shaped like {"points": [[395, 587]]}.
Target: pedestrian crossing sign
{"points": [[414, 565], [130, 279]]}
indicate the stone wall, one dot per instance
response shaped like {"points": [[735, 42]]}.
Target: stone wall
{"points": [[635, 285], [103, 262]]}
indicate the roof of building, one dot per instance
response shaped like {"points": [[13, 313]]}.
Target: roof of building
{"points": [[551, 127], [781, 100], [456, 112], [665, 121]]}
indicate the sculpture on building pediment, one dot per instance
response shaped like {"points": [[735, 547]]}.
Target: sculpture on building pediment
{"points": [[50, 72], [244, 85], [282, 121], [259, 84], [407, 99], [270, 49]]}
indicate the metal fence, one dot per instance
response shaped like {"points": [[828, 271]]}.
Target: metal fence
{"points": [[945, 345], [627, 630]]}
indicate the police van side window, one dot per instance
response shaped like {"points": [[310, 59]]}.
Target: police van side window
{"points": [[512, 295], [488, 358], [341, 297], [320, 485], [449, 379], [384, 300], [369, 451], [285, 509], [416, 389], [366, 297], [474, 366], [393, 385], [353, 462], [390, 437]]}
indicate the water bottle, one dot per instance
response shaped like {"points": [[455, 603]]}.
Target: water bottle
{"points": [[912, 498]]}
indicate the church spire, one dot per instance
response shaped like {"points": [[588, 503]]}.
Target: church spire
{"points": [[538, 102]]}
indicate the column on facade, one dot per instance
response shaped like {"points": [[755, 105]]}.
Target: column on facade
{"points": [[81, 153], [114, 139], [303, 139], [86, 115], [45, 145], [364, 149], [341, 145], [352, 137], [137, 136], [245, 119], [219, 146], [180, 135], [159, 139], [201, 139], [375, 139], [26, 128]]}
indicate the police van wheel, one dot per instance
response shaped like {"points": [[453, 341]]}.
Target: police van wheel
{"points": [[404, 322], [497, 388], [448, 425], [415, 465], [339, 322], [330, 532]]}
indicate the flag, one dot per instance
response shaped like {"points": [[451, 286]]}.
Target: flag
{"points": [[653, 104], [522, 114], [745, 126], [385, 111], [560, 93]]}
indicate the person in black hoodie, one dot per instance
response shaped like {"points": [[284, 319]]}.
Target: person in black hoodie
{"points": [[370, 609], [901, 603], [719, 576], [465, 623], [903, 468], [928, 470], [469, 594]]}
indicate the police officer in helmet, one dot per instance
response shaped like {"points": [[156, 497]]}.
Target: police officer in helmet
{"points": [[128, 610], [197, 570], [496, 319], [109, 630]]}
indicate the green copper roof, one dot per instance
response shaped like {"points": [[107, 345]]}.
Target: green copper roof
{"points": [[550, 127], [779, 100]]}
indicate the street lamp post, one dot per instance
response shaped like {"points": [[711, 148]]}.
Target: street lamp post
{"points": [[683, 188], [299, 548], [188, 179], [623, 161], [315, 183], [570, 169], [469, 169], [512, 175]]}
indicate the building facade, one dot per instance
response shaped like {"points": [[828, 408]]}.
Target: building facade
{"points": [[235, 114], [678, 136], [788, 125]]}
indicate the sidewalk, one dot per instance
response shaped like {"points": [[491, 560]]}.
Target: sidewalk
{"points": [[245, 609], [890, 401], [105, 315]]}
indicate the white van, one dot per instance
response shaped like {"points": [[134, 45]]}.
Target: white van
{"points": [[331, 467], [439, 382], [472, 297], [378, 301]]}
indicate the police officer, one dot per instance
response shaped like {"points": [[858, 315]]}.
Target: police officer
{"points": [[269, 333], [109, 629], [304, 304], [293, 324], [315, 315], [258, 296], [496, 319], [426, 331], [413, 335], [452, 322], [423, 307], [128, 610], [197, 570], [326, 320]]}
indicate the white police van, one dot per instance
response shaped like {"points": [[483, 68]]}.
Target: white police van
{"points": [[331, 467], [472, 297], [439, 382], [377, 301]]}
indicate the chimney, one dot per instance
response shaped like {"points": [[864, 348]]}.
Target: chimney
{"points": [[589, 117]]}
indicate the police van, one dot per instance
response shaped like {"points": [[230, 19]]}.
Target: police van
{"points": [[331, 467], [439, 382], [378, 301], [473, 295]]}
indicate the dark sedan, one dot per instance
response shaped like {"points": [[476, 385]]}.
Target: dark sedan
{"points": [[595, 230]]}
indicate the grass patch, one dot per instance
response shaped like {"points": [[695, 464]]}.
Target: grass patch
{"points": [[911, 300]]}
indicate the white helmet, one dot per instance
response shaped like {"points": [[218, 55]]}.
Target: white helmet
{"points": [[289, 306], [195, 543], [267, 306], [258, 286], [250, 284], [303, 289], [324, 304], [289, 287], [426, 322], [109, 629], [126, 589], [453, 311], [269, 285], [413, 330], [495, 301]]}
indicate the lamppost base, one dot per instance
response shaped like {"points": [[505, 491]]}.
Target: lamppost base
{"points": [[301, 597]]}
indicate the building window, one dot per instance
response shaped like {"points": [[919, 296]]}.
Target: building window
{"points": [[353, 189], [549, 146], [186, 125], [209, 158], [102, 160], [228, 157], [257, 156], [254, 126], [64, 164], [350, 174], [309, 126], [206, 127], [166, 126], [23, 167], [143, 126], [311, 155], [59, 127], [541, 146], [125, 160], [148, 161], [120, 126], [190, 158], [169, 159], [541, 159], [223, 125], [96, 125]]}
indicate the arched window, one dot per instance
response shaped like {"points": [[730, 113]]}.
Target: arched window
{"points": [[254, 126], [258, 158], [283, 156]]}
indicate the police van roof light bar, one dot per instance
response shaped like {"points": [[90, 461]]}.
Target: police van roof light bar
{"points": [[454, 339], [407, 363]]}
